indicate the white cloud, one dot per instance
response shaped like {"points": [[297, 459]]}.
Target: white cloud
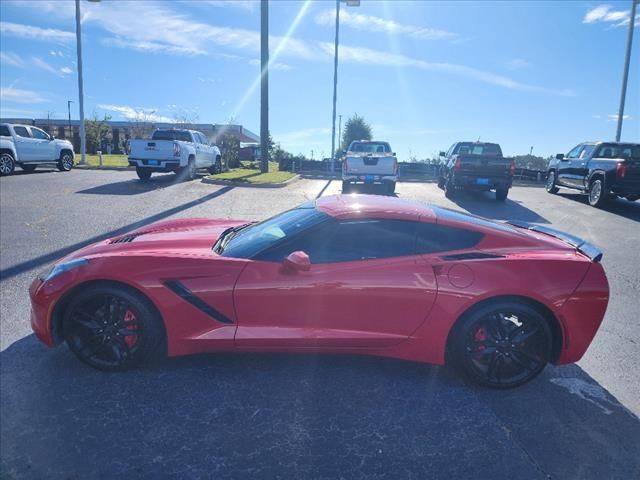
{"points": [[517, 64], [66, 70], [605, 13], [374, 24], [133, 113], [11, 59], [56, 53], [35, 33], [614, 117], [17, 95], [152, 47]]}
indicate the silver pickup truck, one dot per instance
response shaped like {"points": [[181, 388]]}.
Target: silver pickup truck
{"points": [[368, 162]]}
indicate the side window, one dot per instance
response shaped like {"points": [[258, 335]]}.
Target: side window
{"points": [[587, 150], [22, 132], [432, 238], [205, 140], [575, 153], [4, 131], [39, 134], [352, 240]]}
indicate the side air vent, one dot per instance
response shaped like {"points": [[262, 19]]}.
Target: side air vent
{"points": [[127, 239], [472, 256]]}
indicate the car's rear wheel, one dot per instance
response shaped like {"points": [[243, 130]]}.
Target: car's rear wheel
{"points": [[7, 164], [391, 188], [346, 187], [440, 182], [502, 344], [551, 186], [28, 167], [65, 163], [501, 194], [112, 328], [189, 172], [144, 174], [449, 189], [597, 195]]}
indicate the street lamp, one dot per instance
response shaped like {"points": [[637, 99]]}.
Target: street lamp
{"points": [[350, 3], [625, 75]]}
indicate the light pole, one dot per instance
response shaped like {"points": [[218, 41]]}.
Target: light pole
{"points": [[339, 130], [264, 86], [351, 3], [69, 102], [83, 145], [625, 75]]}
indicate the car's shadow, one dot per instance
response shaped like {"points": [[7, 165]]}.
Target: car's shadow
{"points": [[136, 186], [616, 206], [485, 205], [308, 416]]}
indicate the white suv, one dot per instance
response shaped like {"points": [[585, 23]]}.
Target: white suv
{"points": [[29, 147]]}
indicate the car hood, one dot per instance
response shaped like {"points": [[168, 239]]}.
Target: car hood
{"points": [[190, 237]]}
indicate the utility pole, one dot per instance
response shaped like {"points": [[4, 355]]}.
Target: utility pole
{"points": [[625, 75], [69, 102], [264, 86], [83, 144], [335, 89], [339, 131]]}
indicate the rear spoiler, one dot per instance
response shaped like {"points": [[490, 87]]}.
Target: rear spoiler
{"points": [[578, 243]]}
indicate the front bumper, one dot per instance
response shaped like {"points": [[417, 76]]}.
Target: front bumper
{"points": [[155, 165], [40, 312]]}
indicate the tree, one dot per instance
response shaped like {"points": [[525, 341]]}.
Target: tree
{"points": [[230, 149], [96, 131], [356, 128]]}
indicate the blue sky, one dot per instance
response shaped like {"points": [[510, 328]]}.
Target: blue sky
{"points": [[423, 74]]}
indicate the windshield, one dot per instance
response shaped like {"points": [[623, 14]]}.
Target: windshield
{"points": [[252, 240], [618, 151], [181, 135], [370, 147]]}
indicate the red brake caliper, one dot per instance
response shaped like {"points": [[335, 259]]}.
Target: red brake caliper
{"points": [[129, 318], [480, 337]]}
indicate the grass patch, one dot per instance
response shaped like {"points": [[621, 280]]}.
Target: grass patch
{"points": [[107, 160], [248, 175]]}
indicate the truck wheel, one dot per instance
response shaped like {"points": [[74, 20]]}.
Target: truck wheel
{"points": [[7, 164], [449, 190], [501, 193], [216, 167], [144, 174], [189, 172], [597, 194], [28, 167], [66, 162], [441, 183], [391, 188], [346, 187], [551, 186]]}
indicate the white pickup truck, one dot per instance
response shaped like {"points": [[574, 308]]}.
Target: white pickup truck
{"points": [[368, 162], [174, 150], [28, 147]]}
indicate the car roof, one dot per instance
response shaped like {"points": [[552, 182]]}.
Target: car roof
{"points": [[347, 206]]}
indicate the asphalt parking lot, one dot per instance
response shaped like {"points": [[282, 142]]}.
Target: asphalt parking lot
{"points": [[282, 416]]}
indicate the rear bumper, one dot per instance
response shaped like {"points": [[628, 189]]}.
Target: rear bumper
{"points": [[369, 178], [479, 182], [626, 189], [155, 165]]}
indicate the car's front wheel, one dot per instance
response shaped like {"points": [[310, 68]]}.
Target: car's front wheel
{"points": [[216, 167], [551, 186], [449, 189], [65, 163], [112, 328], [7, 164], [501, 344]]}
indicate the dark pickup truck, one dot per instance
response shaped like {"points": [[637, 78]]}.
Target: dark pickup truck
{"points": [[603, 170], [477, 166]]}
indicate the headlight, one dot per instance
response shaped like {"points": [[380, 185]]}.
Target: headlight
{"points": [[60, 268]]}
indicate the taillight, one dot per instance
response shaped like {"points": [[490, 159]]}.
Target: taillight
{"points": [[457, 166], [512, 168], [176, 150], [621, 170]]}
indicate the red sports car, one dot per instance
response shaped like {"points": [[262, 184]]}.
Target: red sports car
{"points": [[353, 274]]}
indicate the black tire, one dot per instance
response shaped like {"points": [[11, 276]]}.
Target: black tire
{"points": [[346, 187], [7, 164], [391, 188], [449, 189], [501, 344], [441, 183], [501, 194], [28, 167], [65, 163], [216, 167], [551, 186], [598, 196], [144, 174], [189, 172], [113, 328]]}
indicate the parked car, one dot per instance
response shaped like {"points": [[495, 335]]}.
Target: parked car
{"points": [[368, 162], [476, 166], [358, 274], [602, 170], [29, 146], [174, 150]]}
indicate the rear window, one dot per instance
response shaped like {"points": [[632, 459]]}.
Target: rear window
{"points": [[434, 238], [4, 131], [479, 149], [179, 135], [618, 151], [370, 147]]}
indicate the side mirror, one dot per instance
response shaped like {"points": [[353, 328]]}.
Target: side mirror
{"points": [[394, 154], [560, 156], [344, 152], [296, 262], [52, 138], [443, 154]]}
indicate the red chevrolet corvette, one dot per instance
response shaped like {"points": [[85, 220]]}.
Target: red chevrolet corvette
{"points": [[353, 274]]}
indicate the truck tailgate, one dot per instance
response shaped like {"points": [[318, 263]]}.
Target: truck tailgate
{"points": [[152, 149], [370, 165], [484, 166]]}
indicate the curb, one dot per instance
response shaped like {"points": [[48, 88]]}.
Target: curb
{"points": [[231, 183]]}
